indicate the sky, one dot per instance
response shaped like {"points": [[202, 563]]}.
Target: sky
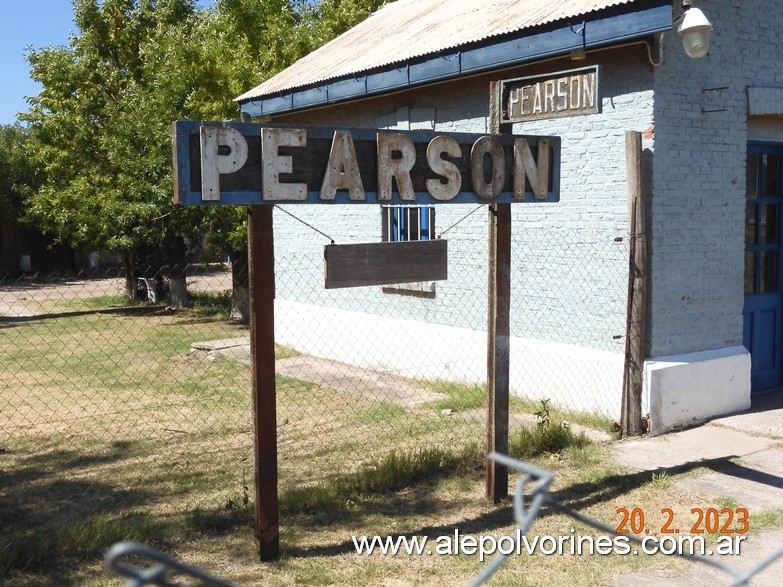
{"points": [[25, 23], [37, 23]]}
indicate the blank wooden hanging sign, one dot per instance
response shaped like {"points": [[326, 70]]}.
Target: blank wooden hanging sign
{"points": [[358, 265]]}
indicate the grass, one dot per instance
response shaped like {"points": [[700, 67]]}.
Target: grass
{"points": [[399, 470], [112, 429], [461, 397], [217, 305], [661, 480]]}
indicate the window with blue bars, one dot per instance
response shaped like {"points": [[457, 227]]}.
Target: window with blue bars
{"points": [[408, 223]]}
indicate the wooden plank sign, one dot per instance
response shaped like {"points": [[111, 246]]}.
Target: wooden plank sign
{"points": [[358, 265], [250, 164], [564, 93]]}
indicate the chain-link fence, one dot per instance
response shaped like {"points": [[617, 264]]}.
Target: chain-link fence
{"points": [[129, 415]]}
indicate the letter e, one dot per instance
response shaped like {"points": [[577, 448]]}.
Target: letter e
{"points": [[274, 164]]}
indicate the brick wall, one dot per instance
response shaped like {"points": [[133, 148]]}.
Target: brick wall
{"points": [[698, 201], [569, 273]]}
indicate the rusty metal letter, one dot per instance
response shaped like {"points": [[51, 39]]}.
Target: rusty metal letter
{"points": [[487, 145], [274, 164], [525, 166], [444, 168], [213, 163], [398, 168], [342, 170]]}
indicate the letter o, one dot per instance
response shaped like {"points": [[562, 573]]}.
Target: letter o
{"points": [[667, 545], [487, 146], [510, 545], [551, 549]]}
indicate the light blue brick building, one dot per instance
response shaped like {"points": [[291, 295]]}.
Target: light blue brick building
{"points": [[713, 141]]}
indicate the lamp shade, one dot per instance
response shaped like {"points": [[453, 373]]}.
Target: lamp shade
{"points": [[695, 31]]}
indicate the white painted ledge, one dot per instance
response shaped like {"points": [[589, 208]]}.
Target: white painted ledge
{"points": [[684, 390], [571, 376]]}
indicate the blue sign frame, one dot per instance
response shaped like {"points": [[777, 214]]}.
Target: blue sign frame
{"points": [[246, 190]]}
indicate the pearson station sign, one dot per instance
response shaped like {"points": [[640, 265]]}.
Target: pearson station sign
{"points": [[564, 93], [235, 163]]}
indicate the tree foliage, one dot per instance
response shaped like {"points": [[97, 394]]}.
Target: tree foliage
{"points": [[19, 177], [102, 120], [250, 41]]}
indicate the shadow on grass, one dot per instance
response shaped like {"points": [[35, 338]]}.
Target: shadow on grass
{"points": [[54, 512], [202, 308], [577, 497], [337, 500], [59, 511], [220, 522], [8, 321]]}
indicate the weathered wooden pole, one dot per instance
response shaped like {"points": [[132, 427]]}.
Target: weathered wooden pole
{"points": [[636, 316], [498, 318], [261, 266], [498, 346]]}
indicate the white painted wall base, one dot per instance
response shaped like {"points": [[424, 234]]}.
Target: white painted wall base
{"points": [[570, 376], [684, 390]]}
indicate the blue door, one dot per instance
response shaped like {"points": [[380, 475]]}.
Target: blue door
{"points": [[763, 309]]}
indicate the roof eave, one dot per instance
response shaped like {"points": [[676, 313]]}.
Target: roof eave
{"points": [[496, 54]]}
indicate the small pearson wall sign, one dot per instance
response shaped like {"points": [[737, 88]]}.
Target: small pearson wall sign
{"points": [[250, 164], [565, 93]]}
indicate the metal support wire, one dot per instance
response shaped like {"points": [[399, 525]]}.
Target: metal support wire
{"points": [[539, 481], [158, 574], [310, 226], [476, 209]]}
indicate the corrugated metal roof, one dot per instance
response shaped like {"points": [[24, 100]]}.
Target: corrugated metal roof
{"points": [[408, 29]]}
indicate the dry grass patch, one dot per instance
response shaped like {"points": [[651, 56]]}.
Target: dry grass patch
{"points": [[318, 547], [112, 429]]}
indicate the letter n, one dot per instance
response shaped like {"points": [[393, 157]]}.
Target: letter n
{"points": [[537, 173]]}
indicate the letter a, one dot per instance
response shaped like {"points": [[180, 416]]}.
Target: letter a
{"points": [[342, 170]]}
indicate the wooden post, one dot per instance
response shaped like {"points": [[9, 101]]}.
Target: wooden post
{"points": [[499, 308], [636, 317], [261, 266], [498, 346]]}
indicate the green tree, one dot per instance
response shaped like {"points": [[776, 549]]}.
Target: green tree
{"points": [[331, 18], [259, 39], [103, 118], [102, 124], [19, 177]]}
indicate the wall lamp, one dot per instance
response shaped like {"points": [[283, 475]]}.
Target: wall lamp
{"points": [[695, 31], [692, 25]]}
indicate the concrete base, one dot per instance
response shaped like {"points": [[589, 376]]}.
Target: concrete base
{"points": [[684, 390]]}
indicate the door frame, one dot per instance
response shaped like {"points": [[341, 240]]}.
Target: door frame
{"points": [[766, 273]]}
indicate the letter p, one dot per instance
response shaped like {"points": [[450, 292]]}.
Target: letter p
{"points": [[213, 163]]}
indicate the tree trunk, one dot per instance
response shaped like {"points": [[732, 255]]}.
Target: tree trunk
{"points": [[130, 277], [178, 288], [240, 287], [23, 238]]}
